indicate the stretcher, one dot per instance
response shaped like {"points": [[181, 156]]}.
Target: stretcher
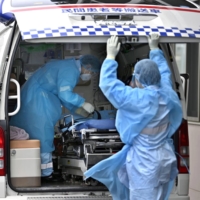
{"points": [[85, 143]]}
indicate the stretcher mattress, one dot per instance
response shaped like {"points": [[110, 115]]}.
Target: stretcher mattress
{"points": [[100, 124]]}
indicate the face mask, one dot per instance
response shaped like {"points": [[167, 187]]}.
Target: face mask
{"points": [[85, 77]]}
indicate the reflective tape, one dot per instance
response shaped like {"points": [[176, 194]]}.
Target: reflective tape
{"points": [[46, 166], [155, 130]]}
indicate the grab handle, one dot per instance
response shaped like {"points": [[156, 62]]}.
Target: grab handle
{"points": [[17, 96]]}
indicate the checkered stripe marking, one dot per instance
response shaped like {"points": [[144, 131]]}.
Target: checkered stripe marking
{"points": [[109, 30]]}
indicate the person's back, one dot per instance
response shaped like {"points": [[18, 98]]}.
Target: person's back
{"points": [[158, 128], [150, 153], [147, 116]]}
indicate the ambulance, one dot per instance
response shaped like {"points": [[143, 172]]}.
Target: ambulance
{"points": [[36, 31]]}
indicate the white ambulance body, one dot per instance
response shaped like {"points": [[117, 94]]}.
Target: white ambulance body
{"points": [[34, 32]]}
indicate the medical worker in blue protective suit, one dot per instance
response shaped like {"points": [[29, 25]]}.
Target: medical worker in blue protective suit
{"points": [[42, 96], [148, 115]]}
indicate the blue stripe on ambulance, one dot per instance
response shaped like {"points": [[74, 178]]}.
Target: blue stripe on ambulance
{"points": [[108, 30]]}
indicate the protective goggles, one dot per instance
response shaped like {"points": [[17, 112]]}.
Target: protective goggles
{"points": [[129, 79]]}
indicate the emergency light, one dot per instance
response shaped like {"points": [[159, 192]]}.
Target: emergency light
{"points": [[5, 18]]}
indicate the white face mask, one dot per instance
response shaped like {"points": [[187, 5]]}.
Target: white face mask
{"points": [[85, 77]]}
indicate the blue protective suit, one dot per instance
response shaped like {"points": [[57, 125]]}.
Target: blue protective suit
{"points": [[42, 96], [146, 119]]}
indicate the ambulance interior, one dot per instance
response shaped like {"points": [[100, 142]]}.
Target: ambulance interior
{"points": [[75, 150]]}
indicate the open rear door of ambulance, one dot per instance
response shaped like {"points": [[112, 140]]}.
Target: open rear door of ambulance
{"points": [[94, 22], [49, 20]]}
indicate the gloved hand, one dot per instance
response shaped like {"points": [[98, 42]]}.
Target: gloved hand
{"points": [[85, 109], [113, 47], [88, 107], [153, 40]]}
